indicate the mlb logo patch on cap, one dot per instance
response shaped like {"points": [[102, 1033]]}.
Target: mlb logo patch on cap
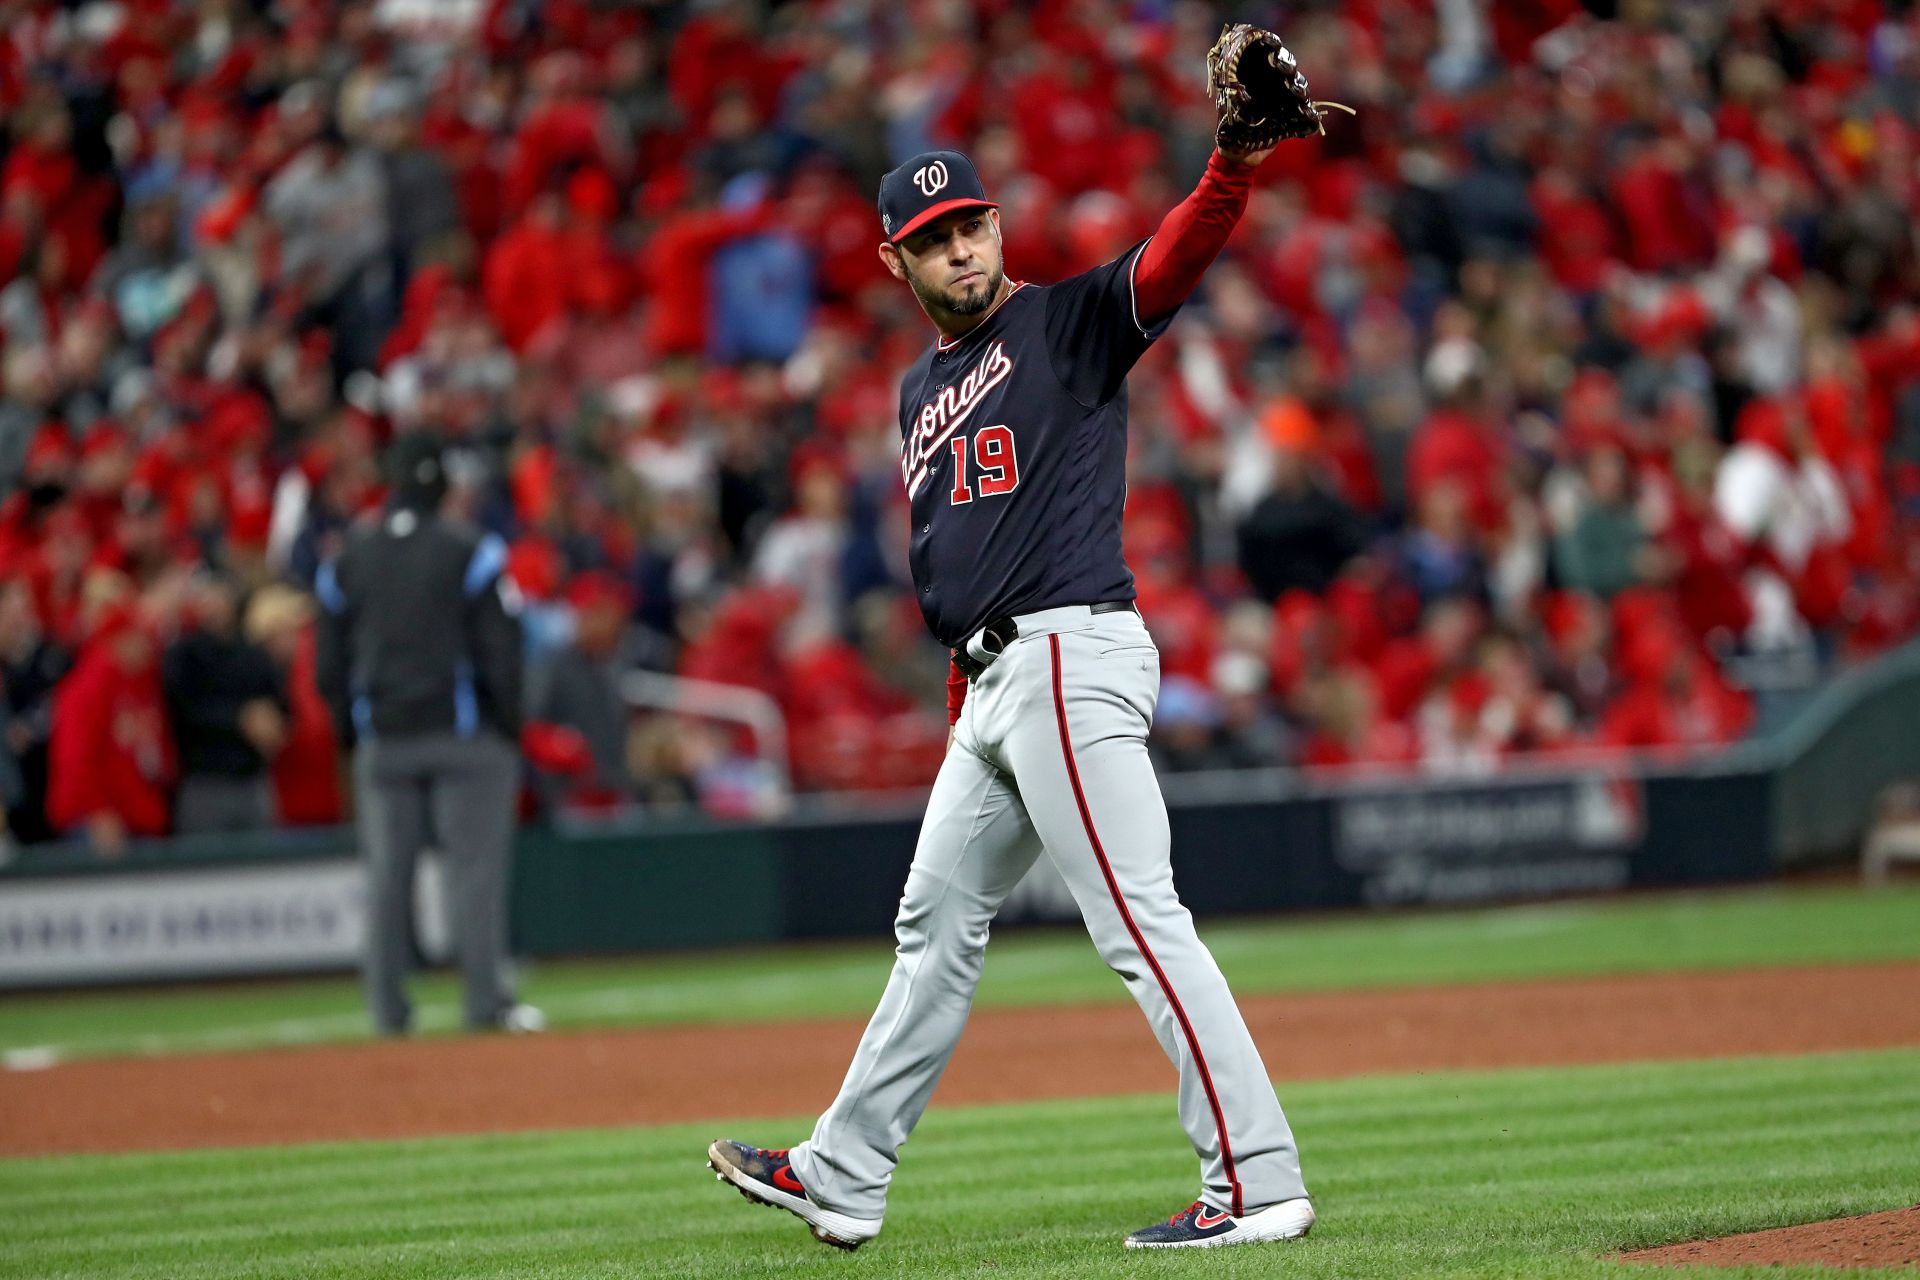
{"points": [[930, 184]]}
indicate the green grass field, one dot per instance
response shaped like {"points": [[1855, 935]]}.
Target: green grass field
{"points": [[1483, 1175], [1718, 930], [1523, 1174]]}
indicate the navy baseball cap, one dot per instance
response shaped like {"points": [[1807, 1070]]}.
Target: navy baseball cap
{"points": [[930, 184]]}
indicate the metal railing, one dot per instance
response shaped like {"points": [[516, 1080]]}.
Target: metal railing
{"points": [[710, 700]]}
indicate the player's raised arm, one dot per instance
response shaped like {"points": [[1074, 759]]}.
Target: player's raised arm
{"points": [[1262, 99], [1100, 322], [1190, 237]]}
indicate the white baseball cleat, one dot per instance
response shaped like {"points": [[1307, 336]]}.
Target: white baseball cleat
{"points": [[1200, 1226]]}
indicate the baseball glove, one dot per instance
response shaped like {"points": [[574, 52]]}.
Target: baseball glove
{"points": [[1260, 93]]}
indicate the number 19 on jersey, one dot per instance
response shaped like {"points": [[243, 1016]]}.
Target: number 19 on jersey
{"points": [[999, 469]]}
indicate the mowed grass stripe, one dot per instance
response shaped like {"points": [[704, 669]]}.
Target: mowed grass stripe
{"points": [[1414, 1176], [1745, 928], [169, 1214], [1376, 1110], [341, 1178], [1529, 1115]]}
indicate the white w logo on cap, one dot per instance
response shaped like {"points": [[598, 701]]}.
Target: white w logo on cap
{"points": [[931, 178]]}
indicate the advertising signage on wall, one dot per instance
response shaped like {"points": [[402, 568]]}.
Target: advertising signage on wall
{"points": [[1466, 843], [1252, 847], [210, 922]]}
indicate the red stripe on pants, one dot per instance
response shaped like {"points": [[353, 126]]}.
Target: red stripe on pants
{"points": [[1126, 916]]}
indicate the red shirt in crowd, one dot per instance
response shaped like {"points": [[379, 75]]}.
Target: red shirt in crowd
{"points": [[1708, 590], [111, 751], [545, 265], [1452, 445], [1704, 714], [306, 773]]}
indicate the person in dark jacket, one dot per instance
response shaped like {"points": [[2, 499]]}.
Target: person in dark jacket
{"points": [[228, 710], [1300, 535], [31, 666], [420, 659]]}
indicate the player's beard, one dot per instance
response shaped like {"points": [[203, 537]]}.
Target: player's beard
{"points": [[971, 300]]}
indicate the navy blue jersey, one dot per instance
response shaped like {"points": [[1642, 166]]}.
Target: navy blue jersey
{"points": [[1014, 453]]}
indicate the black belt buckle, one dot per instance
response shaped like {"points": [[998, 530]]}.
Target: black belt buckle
{"points": [[992, 639], [1001, 632]]}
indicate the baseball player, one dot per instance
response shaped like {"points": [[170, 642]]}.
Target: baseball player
{"points": [[1014, 443]]}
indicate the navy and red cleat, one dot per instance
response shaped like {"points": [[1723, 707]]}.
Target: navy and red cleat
{"points": [[1201, 1226], [766, 1177]]}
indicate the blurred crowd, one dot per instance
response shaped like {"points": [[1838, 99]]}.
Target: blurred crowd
{"points": [[1534, 409]]}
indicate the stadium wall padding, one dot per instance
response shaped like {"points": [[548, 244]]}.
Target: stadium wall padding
{"points": [[1263, 841]]}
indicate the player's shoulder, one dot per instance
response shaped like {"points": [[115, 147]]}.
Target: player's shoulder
{"points": [[1102, 274]]}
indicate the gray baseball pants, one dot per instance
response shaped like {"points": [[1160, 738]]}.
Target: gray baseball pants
{"points": [[1050, 752], [458, 795]]}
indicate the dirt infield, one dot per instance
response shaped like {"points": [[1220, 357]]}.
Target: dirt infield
{"points": [[593, 1079], [1876, 1240]]}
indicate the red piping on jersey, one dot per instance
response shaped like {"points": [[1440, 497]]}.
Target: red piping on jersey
{"points": [[1133, 930], [946, 344]]}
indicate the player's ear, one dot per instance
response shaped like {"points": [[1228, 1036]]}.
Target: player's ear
{"points": [[890, 255]]}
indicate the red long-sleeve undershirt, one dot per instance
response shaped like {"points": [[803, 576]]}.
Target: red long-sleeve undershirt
{"points": [[1189, 238]]}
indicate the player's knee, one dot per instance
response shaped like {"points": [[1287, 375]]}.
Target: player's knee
{"points": [[1126, 951], [1123, 958], [925, 928]]}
